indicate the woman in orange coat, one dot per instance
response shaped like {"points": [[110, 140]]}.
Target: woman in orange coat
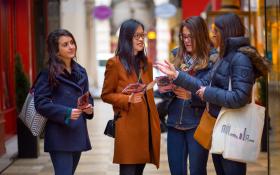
{"points": [[137, 134]]}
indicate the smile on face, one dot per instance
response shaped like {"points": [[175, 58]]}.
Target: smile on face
{"points": [[138, 40]]}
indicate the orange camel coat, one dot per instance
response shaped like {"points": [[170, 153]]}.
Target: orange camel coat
{"points": [[132, 128]]}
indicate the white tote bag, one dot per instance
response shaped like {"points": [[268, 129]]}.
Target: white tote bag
{"points": [[237, 132]]}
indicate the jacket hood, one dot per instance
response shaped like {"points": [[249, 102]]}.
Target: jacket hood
{"points": [[261, 64], [234, 43]]}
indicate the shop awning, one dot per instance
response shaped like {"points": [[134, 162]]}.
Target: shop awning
{"points": [[193, 8]]}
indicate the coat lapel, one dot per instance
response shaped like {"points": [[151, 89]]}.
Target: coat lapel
{"points": [[78, 76]]}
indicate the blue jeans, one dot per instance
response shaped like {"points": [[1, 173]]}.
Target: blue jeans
{"points": [[65, 163], [180, 145], [228, 167]]}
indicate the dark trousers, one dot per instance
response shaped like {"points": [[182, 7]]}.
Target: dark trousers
{"points": [[180, 145], [65, 163], [132, 169], [228, 167]]}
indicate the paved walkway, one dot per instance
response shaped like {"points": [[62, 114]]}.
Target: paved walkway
{"points": [[98, 161]]}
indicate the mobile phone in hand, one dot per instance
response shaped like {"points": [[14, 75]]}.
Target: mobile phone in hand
{"points": [[83, 101]]}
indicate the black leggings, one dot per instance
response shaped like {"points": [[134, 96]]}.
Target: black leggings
{"points": [[132, 169]]}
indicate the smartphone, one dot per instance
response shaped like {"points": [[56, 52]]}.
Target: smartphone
{"points": [[83, 101]]}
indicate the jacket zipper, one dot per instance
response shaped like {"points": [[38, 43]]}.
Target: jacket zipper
{"points": [[182, 112]]}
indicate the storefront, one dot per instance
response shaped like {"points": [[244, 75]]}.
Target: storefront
{"points": [[22, 32]]}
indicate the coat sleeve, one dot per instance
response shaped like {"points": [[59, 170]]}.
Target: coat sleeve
{"points": [[109, 91], [44, 104], [242, 80], [191, 83]]}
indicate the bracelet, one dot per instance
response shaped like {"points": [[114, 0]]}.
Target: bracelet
{"points": [[68, 116]]}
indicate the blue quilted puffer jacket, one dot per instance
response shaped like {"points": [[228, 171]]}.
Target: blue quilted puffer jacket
{"points": [[234, 64]]}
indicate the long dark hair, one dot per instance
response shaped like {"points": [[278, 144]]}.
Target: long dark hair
{"points": [[200, 42], [55, 64], [229, 25], [124, 49]]}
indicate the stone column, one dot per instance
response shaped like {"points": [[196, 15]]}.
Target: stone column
{"points": [[91, 46], [73, 18]]}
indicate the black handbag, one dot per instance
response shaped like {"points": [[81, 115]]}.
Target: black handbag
{"points": [[110, 127]]}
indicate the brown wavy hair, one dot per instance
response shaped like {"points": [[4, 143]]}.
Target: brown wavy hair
{"points": [[55, 64], [200, 42]]}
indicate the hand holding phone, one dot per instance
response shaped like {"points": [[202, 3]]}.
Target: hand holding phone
{"points": [[83, 101], [134, 88], [164, 84]]}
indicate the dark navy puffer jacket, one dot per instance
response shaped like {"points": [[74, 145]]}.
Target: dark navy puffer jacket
{"points": [[235, 65]]}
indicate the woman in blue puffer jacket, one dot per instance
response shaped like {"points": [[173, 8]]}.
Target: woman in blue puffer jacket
{"points": [[229, 37]]}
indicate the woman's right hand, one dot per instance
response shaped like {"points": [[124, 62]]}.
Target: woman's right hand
{"points": [[75, 114], [167, 68], [135, 97]]}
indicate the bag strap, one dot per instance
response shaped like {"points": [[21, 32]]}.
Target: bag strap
{"points": [[212, 73], [253, 90], [34, 83], [230, 83], [116, 116], [214, 69]]}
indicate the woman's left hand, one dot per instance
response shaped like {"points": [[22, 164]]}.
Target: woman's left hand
{"points": [[182, 93], [88, 109], [200, 92]]}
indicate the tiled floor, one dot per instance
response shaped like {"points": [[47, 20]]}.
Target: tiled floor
{"points": [[98, 160]]}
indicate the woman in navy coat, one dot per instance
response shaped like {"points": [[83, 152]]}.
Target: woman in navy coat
{"points": [[56, 93]]}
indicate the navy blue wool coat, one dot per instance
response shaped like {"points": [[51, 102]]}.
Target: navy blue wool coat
{"points": [[55, 104]]}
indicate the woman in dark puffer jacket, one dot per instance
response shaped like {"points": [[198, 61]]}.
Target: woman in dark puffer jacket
{"points": [[229, 37]]}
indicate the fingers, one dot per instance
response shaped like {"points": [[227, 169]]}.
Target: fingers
{"points": [[163, 69], [168, 63], [182, 93], [75, 114], [88, 110], [200, 93], [180, 89], [162, 64], [136, 97], [89, 106]]}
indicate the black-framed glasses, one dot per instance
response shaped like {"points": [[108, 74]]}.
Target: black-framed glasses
{"points": [[137, 36], [184, 37]]}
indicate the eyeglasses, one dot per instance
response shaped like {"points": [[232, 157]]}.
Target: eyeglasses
{"points": [[184, 37], [214, 29], [137, 36]]}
